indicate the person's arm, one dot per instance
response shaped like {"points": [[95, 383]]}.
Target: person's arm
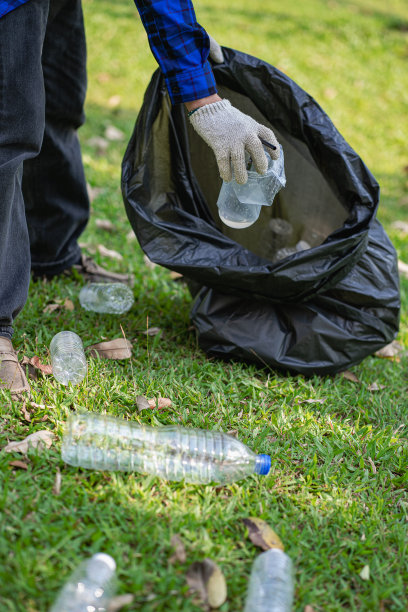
{"points": [[181, 48]]}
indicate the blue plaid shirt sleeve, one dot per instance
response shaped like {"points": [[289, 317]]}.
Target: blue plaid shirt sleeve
{"points": [[179, 44], [8, 5], [181, 47]]}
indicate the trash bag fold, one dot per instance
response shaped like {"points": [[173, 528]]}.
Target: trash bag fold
{"points": [[318, 310]]}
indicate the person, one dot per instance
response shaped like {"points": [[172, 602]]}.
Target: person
{"points": [[44, 204]]}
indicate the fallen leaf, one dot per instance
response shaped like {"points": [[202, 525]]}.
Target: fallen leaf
{"points": [[34, 365], [390, 351], [116, 603], [365, 573], [308, 609], [401, 226], [179, 550], [37, 440], [109, 253], [152, 331], [88, 246], [175, 275], [262, 535], [131, 236], [142, 403], [25, 413], [207, 580], [114, 101], [105, 224], [93, 192], [19, 464], [403, 269], [148, 262], [114, 134], [69, 304], [56, 489], [51, 308], [349, 376], [330, 93], [375, 387], [312, 401], [371, 462], [119, 348], [100, 144], [161, 402]]}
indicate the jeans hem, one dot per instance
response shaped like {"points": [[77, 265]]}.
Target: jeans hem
{"points": [[56, 267], [6, 331]]}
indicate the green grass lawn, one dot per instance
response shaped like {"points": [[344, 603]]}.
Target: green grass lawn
{"points": [[337, 490]]}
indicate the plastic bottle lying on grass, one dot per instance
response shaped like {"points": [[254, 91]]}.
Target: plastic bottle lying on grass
{"points": [[68, 358], [111, 298], [271, 583], [89, 588], [175, 453]]}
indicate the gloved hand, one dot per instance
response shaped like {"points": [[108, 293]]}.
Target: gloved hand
{"points": [[229, 133], [215, 51]]}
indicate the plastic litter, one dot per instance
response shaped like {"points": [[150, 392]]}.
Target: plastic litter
{"points": [[89, 588], [100, 442], [271, 583], [112, 298], [68, 358]]}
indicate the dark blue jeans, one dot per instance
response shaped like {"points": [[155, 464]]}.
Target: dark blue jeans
{"points": [[44, 205]]}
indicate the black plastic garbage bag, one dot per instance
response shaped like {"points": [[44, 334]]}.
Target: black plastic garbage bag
{"points": [[315, 311]]}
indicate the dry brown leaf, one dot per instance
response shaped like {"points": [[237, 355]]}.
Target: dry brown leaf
{"points": [[91, 248], [175, 275], [262, 535], [161, 402], [105, 224], [148, 262], [308, 609], [179, 550], [390, 351], [403, 269], [119, 348], [69, 304], [375, 387], [19, 464], [38, 440], [34, 365], [25, 413], [51, 308], [100, 144], [131, 237], [117, 603], [401, 226], [207, 580], [56, 489], [142, 403], [152, 331], [114, 134], [114, 101], [109, 253], [349, 376]]}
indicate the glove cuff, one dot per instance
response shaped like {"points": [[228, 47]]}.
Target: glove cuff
{"points": [[210, 109]]}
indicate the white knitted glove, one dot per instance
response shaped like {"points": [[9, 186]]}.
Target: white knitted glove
{"points": [[215, 51], [229, 133]]}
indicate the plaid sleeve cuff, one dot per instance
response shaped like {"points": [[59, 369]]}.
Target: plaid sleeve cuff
{"points": [[191, 84]]}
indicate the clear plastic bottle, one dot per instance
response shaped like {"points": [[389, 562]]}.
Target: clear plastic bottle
{"points": [[239, 206], [112, 298], [68, 358], [271, 583], [90, 587], [175, 453]]}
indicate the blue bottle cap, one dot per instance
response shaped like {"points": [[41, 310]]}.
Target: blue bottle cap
{"points": [[263, 464]]}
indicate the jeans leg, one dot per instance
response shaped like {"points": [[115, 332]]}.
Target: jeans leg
{"points": [[54, 185], [22, 120]]}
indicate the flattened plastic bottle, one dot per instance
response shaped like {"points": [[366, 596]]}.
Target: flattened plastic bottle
{"points": [[111, 298], [198, 456]]}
